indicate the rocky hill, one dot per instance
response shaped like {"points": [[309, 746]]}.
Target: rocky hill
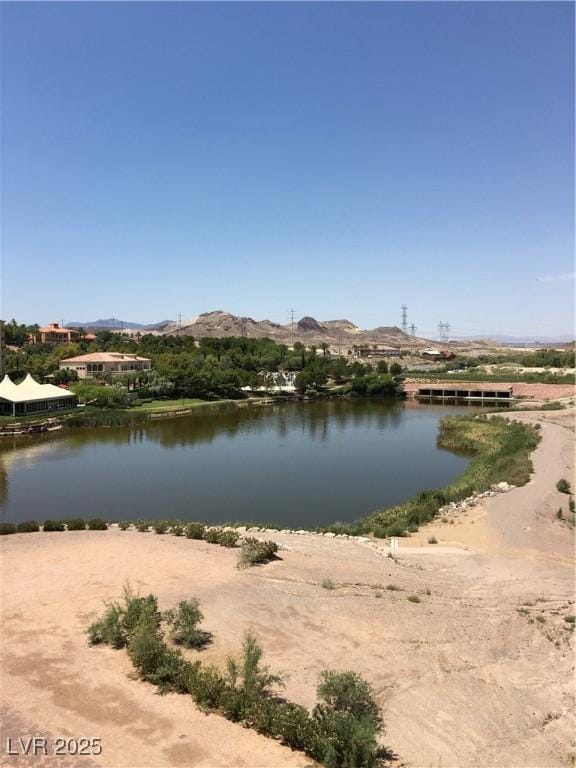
{"points": [[308, 330]]}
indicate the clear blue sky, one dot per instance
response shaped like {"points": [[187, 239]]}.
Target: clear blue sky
{"points": [[337, 158]]}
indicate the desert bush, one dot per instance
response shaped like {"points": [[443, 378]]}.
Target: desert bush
{"points": [[254, 551], [328, 584], [124, 525], [559, 514], [53, 525], [160, 526], [393, 588], [341, 732], [221, 537], [177, 530], [194, 531], [414, 599], [76, 524], [108, 628], [97, 524], [28, 526], [563, 485], [432, 540], [249, 675], [396, 529], [120, 620], [346, 722], [142, 525], [184, 621], [413, 528], [7, 528], [379, 532], [571, 505]]}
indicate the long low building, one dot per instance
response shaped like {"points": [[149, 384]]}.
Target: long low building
{"points": [[97, 363], [31, 397]]}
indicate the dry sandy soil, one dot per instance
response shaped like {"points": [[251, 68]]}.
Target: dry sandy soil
{"points": [[479, 673]]}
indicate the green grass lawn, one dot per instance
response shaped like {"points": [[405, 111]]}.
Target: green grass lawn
{"points": [[171, 405]]}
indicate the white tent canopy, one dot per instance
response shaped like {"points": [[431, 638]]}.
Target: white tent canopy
{"points": [[31, 397], [29, 390]]}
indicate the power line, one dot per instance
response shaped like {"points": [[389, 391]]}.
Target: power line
{"points": [[444, 330]]}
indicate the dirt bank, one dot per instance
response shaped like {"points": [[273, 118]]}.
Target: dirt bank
{"points": [[479, 673]]}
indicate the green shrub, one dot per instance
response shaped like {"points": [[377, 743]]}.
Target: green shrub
{"points": [[143, 526], [29, 526], [328, 584], [346, 722], [249, 675], [563, 485], [254, 551], [7, 528], [221, 537], [184, 621], [124, 525], [341, 732], [177, 530], [432, 540], [108, 628], [120, 620], [571, 505], [393, 588], [160, 526], [559, 514], [379, 532], [53, 525], [76, 524], [413, 528], [414, 599], [97, 524], [194, 531], [396, 529]]}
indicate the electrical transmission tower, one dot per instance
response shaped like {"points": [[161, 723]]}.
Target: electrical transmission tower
{"points": [[179, 322], [404, 318], [444, 330], [413, 329], [242, 326], [291, 327]]}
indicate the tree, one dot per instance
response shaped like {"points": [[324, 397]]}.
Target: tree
{"points": [[382, 366], [395, 369]]}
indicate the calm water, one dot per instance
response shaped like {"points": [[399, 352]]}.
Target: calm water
{"points": [[298, 464]]}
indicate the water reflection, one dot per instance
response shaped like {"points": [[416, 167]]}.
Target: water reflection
{"points": [[297, 463]]}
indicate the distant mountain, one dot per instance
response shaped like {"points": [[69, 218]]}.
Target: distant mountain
{"points": [[523, 340], [307, 330], [113, 323]]}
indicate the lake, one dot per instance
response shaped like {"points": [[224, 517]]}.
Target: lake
{"points": [[299, 464]]}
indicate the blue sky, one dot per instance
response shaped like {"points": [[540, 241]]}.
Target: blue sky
{"points": [[340, 159]]}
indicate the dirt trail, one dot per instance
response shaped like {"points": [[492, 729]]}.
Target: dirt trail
{"points": [[477, 674]]}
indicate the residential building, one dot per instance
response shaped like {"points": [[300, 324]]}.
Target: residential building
{"points": [[53, 333], [98, 363], [31, 397]]}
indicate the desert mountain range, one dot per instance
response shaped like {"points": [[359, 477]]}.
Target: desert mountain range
{"points": [[307, 330]]}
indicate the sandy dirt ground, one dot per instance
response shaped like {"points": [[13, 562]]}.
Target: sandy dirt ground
{"points": [[478, 673]]}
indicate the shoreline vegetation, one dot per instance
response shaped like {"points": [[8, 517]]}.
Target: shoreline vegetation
{"points": [[500, 451]]}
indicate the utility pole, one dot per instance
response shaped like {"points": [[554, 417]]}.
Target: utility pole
{"points": [[443, 330], [404, 318], [179, 322], [413, 329], [243, 326], [291, 327]]}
